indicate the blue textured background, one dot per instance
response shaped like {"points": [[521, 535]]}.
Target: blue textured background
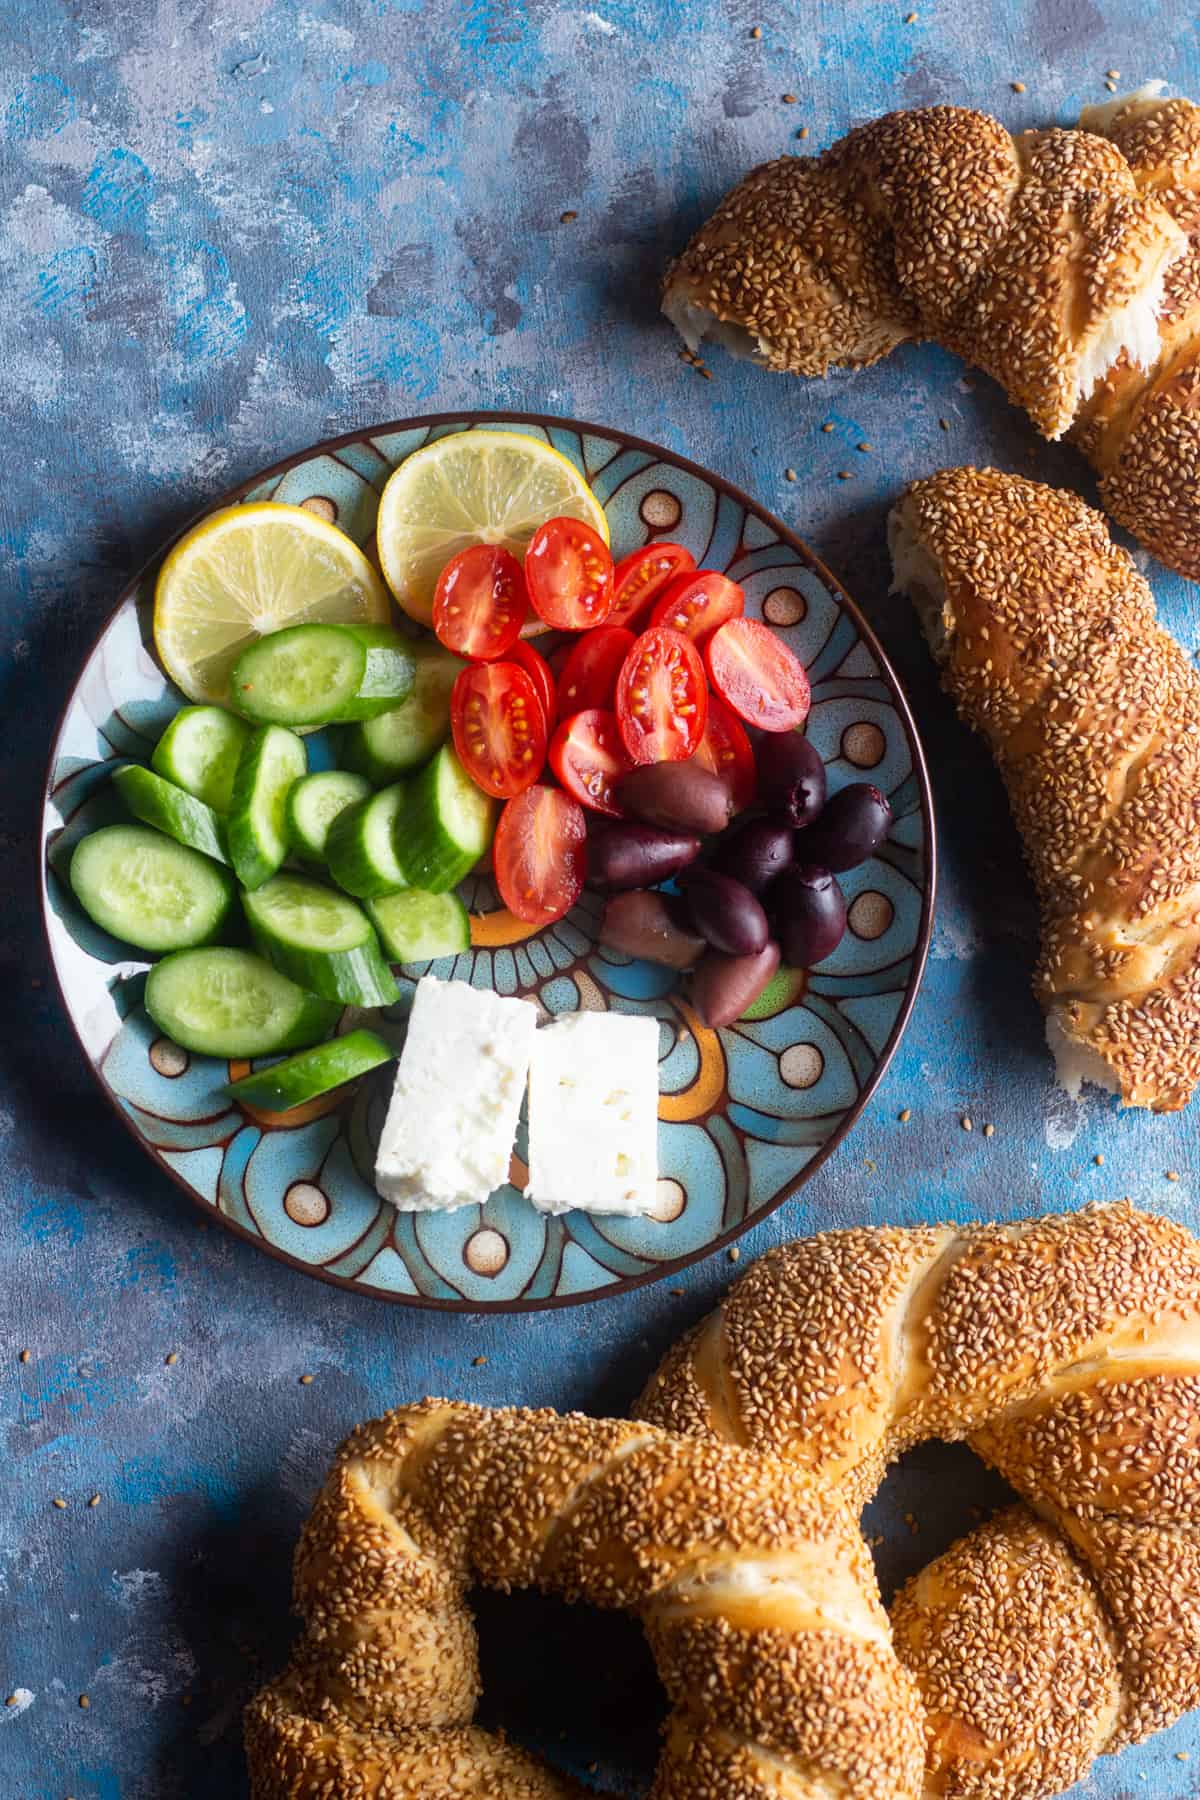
{"points": [[228, 228]]}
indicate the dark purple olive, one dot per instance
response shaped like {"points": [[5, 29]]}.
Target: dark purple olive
{"points": [[808, 912], [724, 986], [725, 912], [853, 825], [791, 776], [649, 925], [678, 795], [756, 853], [635, 856]]}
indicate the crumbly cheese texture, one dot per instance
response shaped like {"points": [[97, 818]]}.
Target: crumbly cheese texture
{"points": [[448, 1136], [593, 1114]]}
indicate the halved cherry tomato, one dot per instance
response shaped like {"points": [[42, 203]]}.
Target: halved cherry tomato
{"points": [[541, 675], [480, 602], [499, 727], [569, 574], [727, 751], [662, 697], [540, 854], [697, 603], [587, 755], [589, 675], [640, 578], [761, 678]]}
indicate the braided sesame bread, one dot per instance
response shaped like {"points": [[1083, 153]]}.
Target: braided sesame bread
{"points": [[1047, 639], [754, 1587], [1066, 1351], [1064, 263]]}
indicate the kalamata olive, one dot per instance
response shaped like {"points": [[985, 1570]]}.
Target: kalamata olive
{"points": [[678, 795], [853, 825], [725, 912], [808, 913], [791, 776], [643, 923], [724, 986], [756, 853], [635, 856]]}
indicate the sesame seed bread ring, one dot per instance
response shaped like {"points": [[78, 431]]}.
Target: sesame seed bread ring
{"points": [[1066, 1351], [753, 1584], [1048, 644]]}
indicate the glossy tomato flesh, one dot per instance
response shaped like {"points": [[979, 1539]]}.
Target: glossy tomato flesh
{"points": [[758, 675], [540, 854], [541, 675], [697, 603], [589, 675], [640, 578], [587, 755], [569, 575], [662, 697], [499, 728], [480, 602], [726, 751]]}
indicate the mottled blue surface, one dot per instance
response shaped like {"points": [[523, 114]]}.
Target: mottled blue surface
{"points": [[227, 229]]}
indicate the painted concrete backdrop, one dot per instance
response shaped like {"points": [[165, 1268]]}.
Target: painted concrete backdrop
{"points": [[227, 229]]}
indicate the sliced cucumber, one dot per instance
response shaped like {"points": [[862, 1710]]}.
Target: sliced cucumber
{"points": [[149, 890], [181, 816], [320, 939], [446, 825], [406, 736], [257, 831], [199, 752], [315, 802], [311, 1073], [417, 927], [361, 847], [232, 1003], [321, 674]]}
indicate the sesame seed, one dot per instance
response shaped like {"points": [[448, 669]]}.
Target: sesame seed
{"points": [[905, 1115], [95, 1500], [843, 474], [1018, 87], [1098, 1159], [59, 1502], [1172, 1174], [945, 424], [966, 1124], [865, 447], [25, 1356], [735, 1254], [479, 1362], [989, 1131], [84, 1701], [789, 474], [567, 218], [910, 18], [677, 1293], [306, 1381], [803, 132], [789, 99], [756, 31], [11, 1701], [171, 1358]]}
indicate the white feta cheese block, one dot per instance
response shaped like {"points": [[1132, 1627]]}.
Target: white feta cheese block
{"points": [[448, 1136], [593, 1114]]}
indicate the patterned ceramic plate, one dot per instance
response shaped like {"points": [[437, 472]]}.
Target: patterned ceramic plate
{"points": [[746, 1115]]}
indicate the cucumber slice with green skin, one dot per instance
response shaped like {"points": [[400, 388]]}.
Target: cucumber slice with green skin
{"points": [[256, 833], [315, 802], [150, 891], [181, 816], [199, 752], [446, 825], [406, 736], [219, 1002], [312, 1073], [418, 927], [361, 847], [320, 939], [310, 675]]}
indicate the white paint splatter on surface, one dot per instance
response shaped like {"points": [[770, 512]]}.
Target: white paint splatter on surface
{"points": [[136, 1587], [19, 1701]]}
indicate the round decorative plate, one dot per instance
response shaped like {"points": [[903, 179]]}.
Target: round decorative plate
{"points": [[746, 1114]]}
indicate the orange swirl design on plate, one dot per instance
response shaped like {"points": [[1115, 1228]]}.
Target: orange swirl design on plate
{"points": [[295, 1115], [705, 1091], [491, 931]]}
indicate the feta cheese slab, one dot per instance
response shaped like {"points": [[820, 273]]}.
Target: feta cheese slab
{"points": [[448, 1136], [593, 1114]]}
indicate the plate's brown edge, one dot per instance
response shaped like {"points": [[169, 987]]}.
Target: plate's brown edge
{"points": [[920, 953]]}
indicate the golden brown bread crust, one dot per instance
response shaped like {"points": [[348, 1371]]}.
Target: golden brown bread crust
{"points": [[754, 1586], [1066, 1350]]}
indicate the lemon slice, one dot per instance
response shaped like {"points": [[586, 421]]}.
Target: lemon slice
{"points": [[249, 570], [473, 487]]}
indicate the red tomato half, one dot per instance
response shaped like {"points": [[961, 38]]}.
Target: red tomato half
{"points": [[761, 678], [640, 578], [540, 854], [587, 755], [727, 751], [539, 672], [480, 603], [499, 727], [662, 697], [569, 574], [589, 675], [697, 603]]}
